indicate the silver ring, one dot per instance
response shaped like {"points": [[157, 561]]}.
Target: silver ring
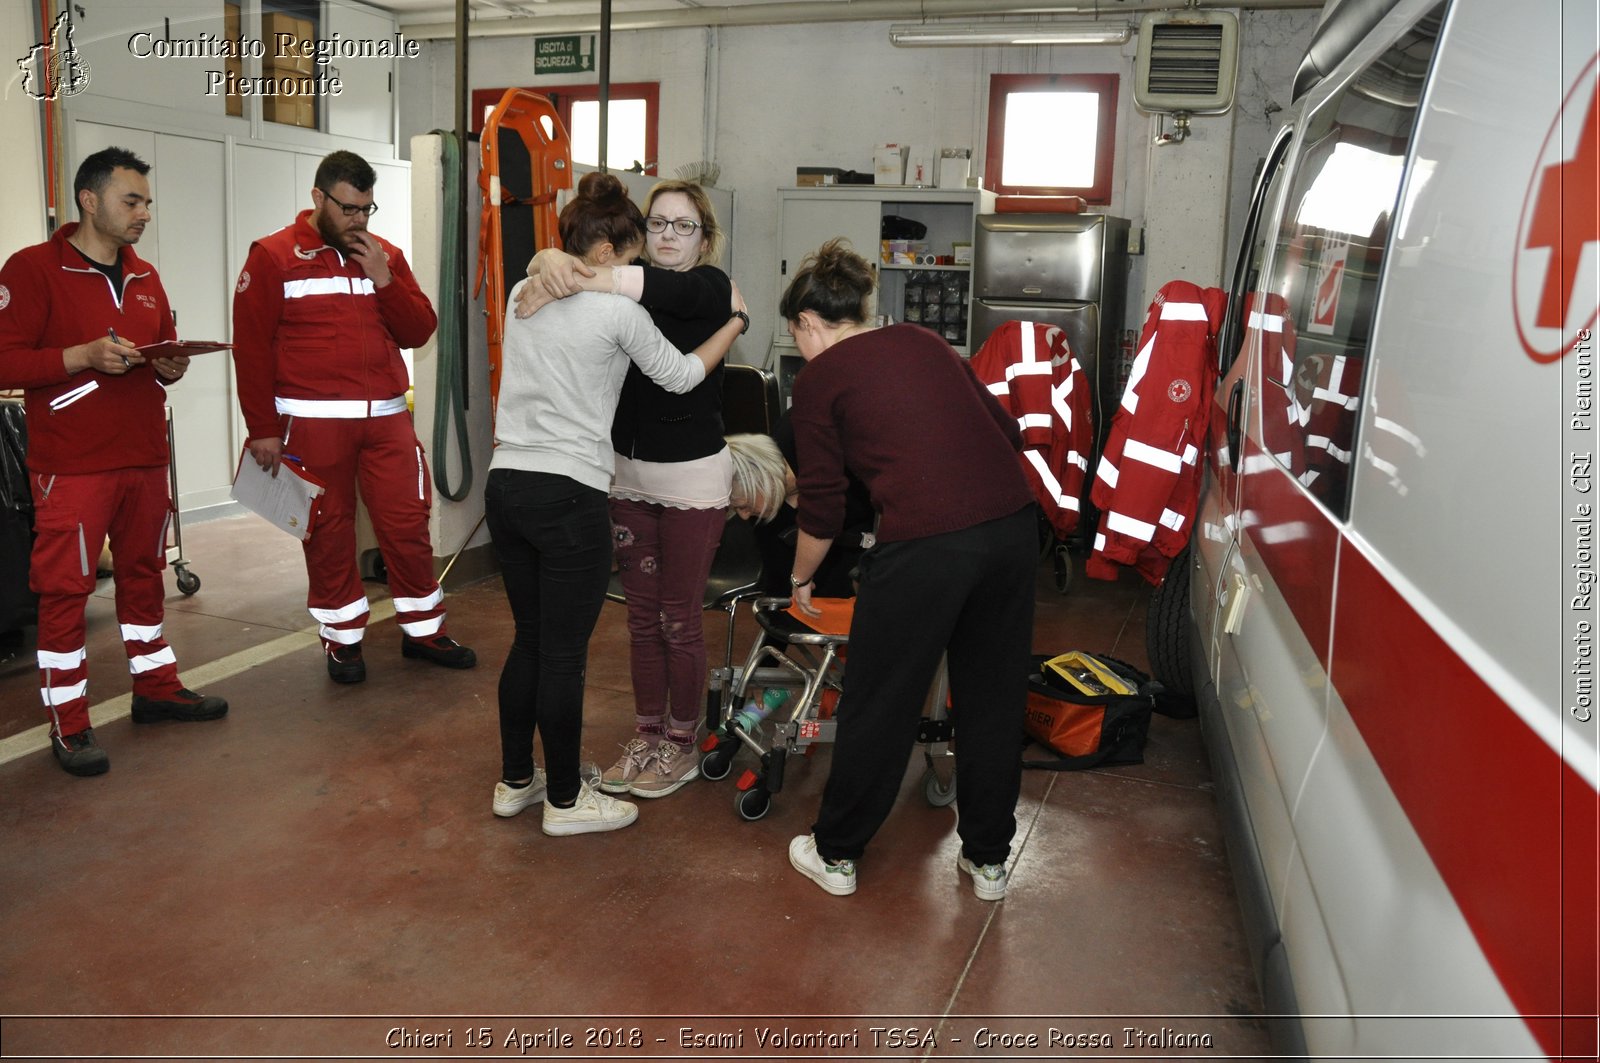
{"points": [[125, 363]]}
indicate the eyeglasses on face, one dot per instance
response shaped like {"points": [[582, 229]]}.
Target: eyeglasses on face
{"points": [[350, 210], [681, 226]]}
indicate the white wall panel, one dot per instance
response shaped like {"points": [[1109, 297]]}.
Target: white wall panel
{"points": [[195, 274]]}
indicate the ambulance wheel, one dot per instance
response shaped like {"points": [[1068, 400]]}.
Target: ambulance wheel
{"points": [[752, 804], [716, 764], [939, 794], [1166, 629], [188, 582]]}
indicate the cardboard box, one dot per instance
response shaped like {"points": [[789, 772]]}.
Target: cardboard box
{"points": [[288, 43], [816, 176], [304, 82], [290, 110], [233, 103], [963, 253], [889, 164], [920, 164], [954, 169]]}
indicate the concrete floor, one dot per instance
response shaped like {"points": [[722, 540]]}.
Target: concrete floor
{"points": [[319, 875]]}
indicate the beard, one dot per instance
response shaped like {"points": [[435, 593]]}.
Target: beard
{"points": [[344, 241]]}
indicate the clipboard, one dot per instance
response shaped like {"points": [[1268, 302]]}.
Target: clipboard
{"points": [[289, 501], [170, 348]]}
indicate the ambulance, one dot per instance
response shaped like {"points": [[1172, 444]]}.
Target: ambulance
{"points": [[1387, 608]]}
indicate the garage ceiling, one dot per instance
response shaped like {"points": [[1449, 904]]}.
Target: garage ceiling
{"points": [[414, 11], [436, 18]]}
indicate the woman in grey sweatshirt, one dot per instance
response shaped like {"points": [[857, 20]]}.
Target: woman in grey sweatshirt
{"points": [[546, 501]]}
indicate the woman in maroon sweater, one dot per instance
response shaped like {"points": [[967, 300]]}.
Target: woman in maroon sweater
{"points": [[951, 575]]}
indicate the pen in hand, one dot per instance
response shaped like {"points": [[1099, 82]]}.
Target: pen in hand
{"points": [[113, 334]]}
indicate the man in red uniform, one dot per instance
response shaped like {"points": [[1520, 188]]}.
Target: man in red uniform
{"points": [[73, 313], [320, 313]]}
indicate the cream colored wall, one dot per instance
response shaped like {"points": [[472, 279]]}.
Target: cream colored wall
{"points": [[761, 101], [21, 128]]}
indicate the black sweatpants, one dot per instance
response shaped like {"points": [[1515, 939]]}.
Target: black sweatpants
{"points": [[967, 593]]}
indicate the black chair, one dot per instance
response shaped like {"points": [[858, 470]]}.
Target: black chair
{"points": [[750, 403]]}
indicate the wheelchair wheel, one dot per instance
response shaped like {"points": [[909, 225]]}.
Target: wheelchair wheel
{"points": [[752, 804], [939, 794], [717, 763]]}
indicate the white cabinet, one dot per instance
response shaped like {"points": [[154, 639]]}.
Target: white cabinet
{"points": [[364, 107], [938, 296], [126, 47]]}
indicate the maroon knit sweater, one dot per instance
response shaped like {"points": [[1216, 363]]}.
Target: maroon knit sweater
{"points": [[906, 414]]}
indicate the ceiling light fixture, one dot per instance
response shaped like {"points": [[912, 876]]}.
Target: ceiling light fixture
{"points": [[920, 34]]}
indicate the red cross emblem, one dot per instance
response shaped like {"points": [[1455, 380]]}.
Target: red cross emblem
{"points": [[1560, 229]]}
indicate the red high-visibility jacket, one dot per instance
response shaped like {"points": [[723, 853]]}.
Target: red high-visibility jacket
{"points": [[1147, 484]]}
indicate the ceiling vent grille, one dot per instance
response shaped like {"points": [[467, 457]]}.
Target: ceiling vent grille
{"points": [[1187, 62]]}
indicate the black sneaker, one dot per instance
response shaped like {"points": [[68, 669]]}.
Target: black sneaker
{"points": [[185, 705], [345, 664], [440, 649], [80, 754]]}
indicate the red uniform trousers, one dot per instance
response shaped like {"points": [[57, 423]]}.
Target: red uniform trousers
{"points": [[383, 456], [73, 514]]}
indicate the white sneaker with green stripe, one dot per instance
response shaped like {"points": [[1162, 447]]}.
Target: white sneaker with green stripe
{"points": [[838, 877], [988, 880]]}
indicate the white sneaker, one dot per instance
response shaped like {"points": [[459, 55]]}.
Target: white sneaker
{"points": [[509, 800], [592, 813], [838, 877], [988, 880]]}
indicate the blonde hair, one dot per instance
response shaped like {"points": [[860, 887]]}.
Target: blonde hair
{"points": [[710, 231], [759, 473]]}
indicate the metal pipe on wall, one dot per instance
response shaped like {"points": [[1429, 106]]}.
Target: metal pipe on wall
{"points": [[605, 82], [463, 129], [805, 11]]}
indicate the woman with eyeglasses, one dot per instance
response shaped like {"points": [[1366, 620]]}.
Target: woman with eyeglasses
{"points": [[670, 497], [546, 501]]}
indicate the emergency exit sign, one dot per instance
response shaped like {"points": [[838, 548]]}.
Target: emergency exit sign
{"points": [[563, 55]]}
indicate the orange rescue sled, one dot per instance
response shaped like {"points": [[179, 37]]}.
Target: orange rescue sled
{"points": [[527, 159]]}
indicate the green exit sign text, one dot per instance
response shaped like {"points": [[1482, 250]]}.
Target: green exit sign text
{"points": [[563, 55]]}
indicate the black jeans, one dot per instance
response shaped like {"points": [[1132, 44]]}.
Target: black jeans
{"points": [[966, 594], [552, 537]]}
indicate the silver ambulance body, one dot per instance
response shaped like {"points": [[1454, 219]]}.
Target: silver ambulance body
{"points": [[1390, 622]]}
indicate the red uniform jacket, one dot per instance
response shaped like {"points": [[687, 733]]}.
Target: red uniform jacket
{"points": [[1030, 369], [309, 324], [1148, 482], [51, 299]]}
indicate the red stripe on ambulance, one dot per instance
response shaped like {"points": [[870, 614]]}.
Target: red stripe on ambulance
{"points": [[1509, 824]]}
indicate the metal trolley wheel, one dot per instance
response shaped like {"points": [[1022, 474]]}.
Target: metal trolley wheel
{"points": [[716, 764], [753, 803], [188, 582], [938, 793]]}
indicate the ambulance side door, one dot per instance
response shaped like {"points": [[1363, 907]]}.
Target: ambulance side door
{"points": [[1258, 656]]}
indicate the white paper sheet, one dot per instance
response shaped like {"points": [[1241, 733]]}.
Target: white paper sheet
{"points": [[287, 501]]}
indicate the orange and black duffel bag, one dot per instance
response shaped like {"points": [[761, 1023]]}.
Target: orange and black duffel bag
{"points": [[1090, 710]]}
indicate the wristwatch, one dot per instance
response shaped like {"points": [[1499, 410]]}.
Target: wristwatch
{"points": [[742, 316], [796, 582]]}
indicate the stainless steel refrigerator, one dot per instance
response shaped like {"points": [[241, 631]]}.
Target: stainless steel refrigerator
{"points": [[1066, 269]]}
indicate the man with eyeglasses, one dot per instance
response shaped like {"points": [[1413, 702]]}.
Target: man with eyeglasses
{"points": [[320, 314]]}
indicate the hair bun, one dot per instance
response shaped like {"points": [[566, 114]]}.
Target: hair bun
{"points": [[602, 187]]}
